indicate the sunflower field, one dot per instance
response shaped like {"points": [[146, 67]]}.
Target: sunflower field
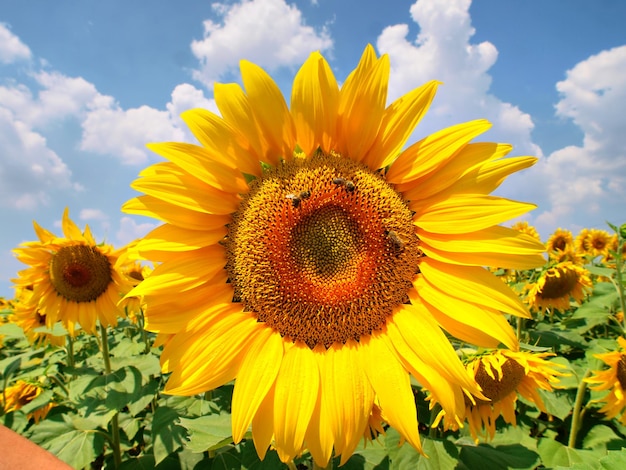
{"points": [[321, 295]]}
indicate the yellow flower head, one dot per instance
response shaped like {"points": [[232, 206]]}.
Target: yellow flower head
{"points": [[22, 393], [73, 279], [557, 285], [308, 256], [561, 241], [612, 379], [502, 375], [31, 320], [593, 242], [524, 227]]}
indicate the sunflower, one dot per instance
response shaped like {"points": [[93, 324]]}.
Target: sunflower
{"points": [[559, 242], [526, 228], [32, 321], [502, 375], [311, 259], [593, 242], [73, 279], [557, 285], [614, 380], [135, 272], [22, 393]]}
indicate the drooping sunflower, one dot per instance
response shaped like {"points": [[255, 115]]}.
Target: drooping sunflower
{"points": [[32, 321], [309, 257], [593, 242], [557, 285], [22, 393], [612, 379], [502, 375], [73, 279]]}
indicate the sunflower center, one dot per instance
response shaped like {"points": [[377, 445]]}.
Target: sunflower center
{"points": [[80, 273], [559, 283], [621, 371], [322, 250], [496, 389], [560, 244]]}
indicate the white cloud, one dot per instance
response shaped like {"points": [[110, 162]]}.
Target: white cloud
{"points": [[443, 51], [588, 182], [93, 214], [270, 33], [11, 48], [131, 230], [29, 170]]}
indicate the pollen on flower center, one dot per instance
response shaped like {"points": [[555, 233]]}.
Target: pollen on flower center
{"points": [[80, 273], [322, 250]]}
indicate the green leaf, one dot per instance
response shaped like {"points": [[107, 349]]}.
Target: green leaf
{"points": [[599, 436], [372, 456], [615, 460], [557, 403], [502, 456], [441, 454], [555, 454], [208, 432], [76, 447], [600, 271], [167, 435]]}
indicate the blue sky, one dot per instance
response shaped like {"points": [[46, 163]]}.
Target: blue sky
{"points": [[85, 84]]}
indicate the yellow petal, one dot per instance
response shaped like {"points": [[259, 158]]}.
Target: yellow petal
{"points": [[318, 437], [197, 161], [151, 206], [348, 394], [470, 157], [473, 284], [314, 104], [467, 321], [466, 213], [432, 152], [202, 360], [263, 424], [392, 386], [70, 229], [361, 107], [170, 238], [270, 111], [256, 376], [398, 122], [297, 388]]}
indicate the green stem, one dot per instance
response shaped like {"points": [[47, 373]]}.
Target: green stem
{"points": [[520, 325], [70, 352], [432, 431], [576, 413], [57, 381], [115, 427]]}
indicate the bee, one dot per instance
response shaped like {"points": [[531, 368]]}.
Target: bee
{"points": [[349, 185], [295, 199], [305, 194], [397, 244]]}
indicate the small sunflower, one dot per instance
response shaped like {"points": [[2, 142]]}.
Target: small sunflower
{"points": [[526, 228], [613, 380], [593, 242], [502, 375], [73, 279], [135, 272], [32, 321], [309, 257], [22, 393], [560, 241], [557, 285]]}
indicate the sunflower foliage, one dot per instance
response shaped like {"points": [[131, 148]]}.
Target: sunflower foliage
{"points": [[67, 406]]}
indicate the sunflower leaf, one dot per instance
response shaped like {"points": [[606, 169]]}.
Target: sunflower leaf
{"points": [[167, 435], [210, 432]]}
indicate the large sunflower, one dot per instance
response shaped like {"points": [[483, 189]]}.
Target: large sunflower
{"points": [[612, 379], [73, 279], [309, 257]]}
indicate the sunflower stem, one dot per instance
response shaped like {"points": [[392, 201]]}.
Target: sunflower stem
{"points": [[115, 427], [576, 413], [70, 352], [520, 324]]}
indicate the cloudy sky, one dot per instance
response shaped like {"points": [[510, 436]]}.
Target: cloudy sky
{"points": [[84, 85]]}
